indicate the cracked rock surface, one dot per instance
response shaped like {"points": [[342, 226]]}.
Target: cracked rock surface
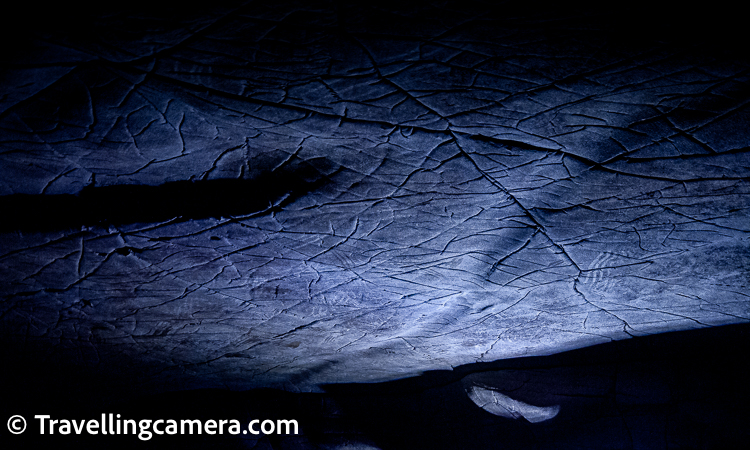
{"points": [[286, 195]]}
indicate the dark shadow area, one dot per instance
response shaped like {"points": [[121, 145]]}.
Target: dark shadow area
{"points": [[673, 390], [183, 200], [681, 390], [719, 25]]}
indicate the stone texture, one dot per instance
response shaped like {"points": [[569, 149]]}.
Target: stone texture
{"points": [[373, 191]]}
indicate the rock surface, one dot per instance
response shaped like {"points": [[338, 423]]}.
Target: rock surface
{"points": [[277, 195]]}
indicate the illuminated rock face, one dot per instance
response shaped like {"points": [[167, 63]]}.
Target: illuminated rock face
{"points": [[286, 196]]}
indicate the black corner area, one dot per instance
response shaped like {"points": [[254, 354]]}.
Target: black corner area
{"points": [[383, 225]]}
